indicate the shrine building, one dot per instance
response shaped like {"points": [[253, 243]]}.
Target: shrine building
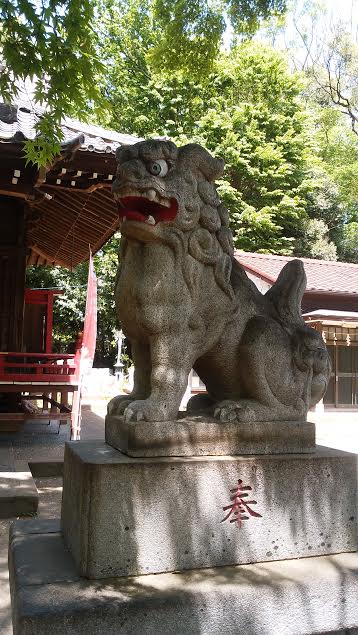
{"points": [[48, 216]]}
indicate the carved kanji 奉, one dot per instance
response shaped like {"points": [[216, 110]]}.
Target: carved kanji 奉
{"points": [[239, 508], [184, 301]]}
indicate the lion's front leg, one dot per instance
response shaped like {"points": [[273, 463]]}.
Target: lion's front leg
{"points": [[171, 365], [141, 385]]}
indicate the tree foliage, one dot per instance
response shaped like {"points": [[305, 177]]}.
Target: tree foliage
{"points": [[335, 76], [248, 110], [290, 181], [55, 42], [337, 200], [190, 32]]}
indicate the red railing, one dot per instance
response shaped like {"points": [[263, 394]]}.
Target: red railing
{"points": [[38, 367]]}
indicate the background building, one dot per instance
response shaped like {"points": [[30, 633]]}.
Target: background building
{"points": [[330, 305]]}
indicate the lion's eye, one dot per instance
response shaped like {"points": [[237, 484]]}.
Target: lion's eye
{"points": [[158, 168]]}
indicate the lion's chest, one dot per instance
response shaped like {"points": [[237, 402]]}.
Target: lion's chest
{"points": [[151, 293]]}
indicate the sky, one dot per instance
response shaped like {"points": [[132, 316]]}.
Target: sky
{"points": [[346, 10], [331, 12], [318, 25]]}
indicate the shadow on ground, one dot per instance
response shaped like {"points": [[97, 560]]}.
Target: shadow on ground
{"points": [[38, 441]]}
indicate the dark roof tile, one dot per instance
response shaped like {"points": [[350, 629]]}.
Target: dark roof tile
{"points": [[325, 276]]}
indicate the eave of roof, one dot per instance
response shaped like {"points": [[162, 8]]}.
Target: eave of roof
{"points": [[329, 317], [323, 276], [18, 121], [72, 199]]}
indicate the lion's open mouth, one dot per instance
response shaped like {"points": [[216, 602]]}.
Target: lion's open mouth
{"points": [[144, 210]]}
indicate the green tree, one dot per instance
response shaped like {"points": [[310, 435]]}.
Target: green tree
{"points": [[56, 42], [190, 33], [248, 110], [348, 243], [337, 201], [53, 43], [316, 242], [335, 76], [258, 124]]}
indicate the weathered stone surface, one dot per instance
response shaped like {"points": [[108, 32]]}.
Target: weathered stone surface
{"points": [[203, 436], [185, 302], [57, 565], [18, 494], [129, 516], [292, 597], [46, 469], [35, 526]]}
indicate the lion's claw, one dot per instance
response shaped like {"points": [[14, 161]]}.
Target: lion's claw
{"points": [[132, 415], [234, 412], [146, 410], [118, 404], [225, 415]]}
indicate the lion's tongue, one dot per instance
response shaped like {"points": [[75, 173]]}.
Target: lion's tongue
{"points": [[139, 208], [132, 215]]}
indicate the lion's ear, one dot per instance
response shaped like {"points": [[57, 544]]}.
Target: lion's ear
{"points": [[126, 153], [198, 157]]}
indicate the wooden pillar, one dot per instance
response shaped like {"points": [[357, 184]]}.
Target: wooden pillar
{"points": [[12, 272], [49, 323]]}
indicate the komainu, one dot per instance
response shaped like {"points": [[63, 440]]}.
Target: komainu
{"points": [[184, 301]]}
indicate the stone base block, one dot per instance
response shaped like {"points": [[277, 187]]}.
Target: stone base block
{"points": [[292, 597], [203, 436], [128, 516], [18, 494]]}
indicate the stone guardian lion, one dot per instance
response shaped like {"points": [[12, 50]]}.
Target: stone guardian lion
{"points": [[185, 302]]}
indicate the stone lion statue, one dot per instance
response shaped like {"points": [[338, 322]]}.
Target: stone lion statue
{"points": [[184, 301]]}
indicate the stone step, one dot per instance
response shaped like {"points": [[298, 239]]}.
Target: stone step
{"points": [[292, 597], [46, 469], [18, 494]]}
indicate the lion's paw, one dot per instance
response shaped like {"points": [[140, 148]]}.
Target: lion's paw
{"points": [[145, 410], [228, 411], [118, 404]]}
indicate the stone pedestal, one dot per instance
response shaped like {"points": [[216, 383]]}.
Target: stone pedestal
{"points": [[197, 435], [292, 597], [196, 522], [126, 516]]}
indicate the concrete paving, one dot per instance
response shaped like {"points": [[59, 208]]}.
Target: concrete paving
{"points": [[50, 494], [37, 449], [39, 442], [18, 494], [36, 444], [337, 429]]}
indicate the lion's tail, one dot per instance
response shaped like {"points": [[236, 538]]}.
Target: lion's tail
{"points": [[286, 294]]}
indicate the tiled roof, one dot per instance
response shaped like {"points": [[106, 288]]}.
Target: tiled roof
{"points": [[17, 122], [325, 276]]}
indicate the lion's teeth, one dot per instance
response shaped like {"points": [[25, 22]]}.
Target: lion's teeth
{"points": [[152, 195], [150, 220], [124, 219], [165, 202]]}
